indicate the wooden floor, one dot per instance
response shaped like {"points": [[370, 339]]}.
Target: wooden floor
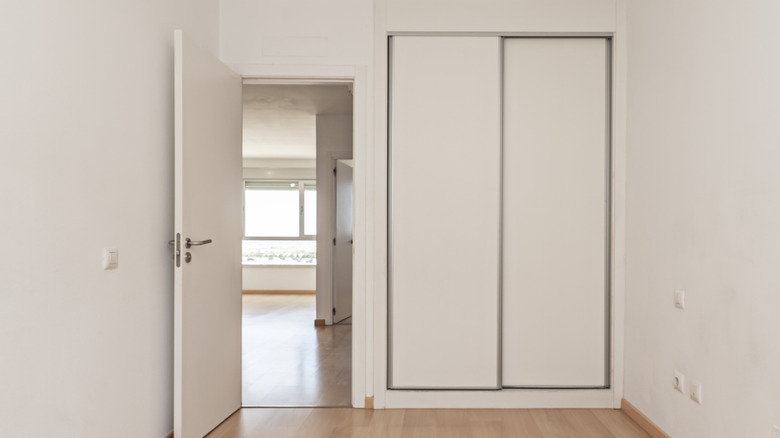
{"points": [[431, 423], [289, 362]]}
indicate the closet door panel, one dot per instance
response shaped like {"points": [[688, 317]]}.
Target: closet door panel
{"points": [[555, 212], [444, 212]]}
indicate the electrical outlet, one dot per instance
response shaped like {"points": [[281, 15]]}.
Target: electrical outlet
{"points": [[694, 390], [679, 299], [679, 381]]}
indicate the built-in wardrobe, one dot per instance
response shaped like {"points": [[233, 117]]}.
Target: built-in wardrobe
{"points": [[498, 212]]}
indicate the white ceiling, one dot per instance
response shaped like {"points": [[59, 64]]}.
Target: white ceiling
{"points": [[279, 120]]}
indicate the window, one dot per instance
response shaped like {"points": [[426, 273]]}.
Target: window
{"points": [[280, 223]]}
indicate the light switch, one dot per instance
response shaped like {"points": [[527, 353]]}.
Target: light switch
{"points": [[679, 299], [110, 258]]}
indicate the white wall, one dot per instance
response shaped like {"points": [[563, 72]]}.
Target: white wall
{"points": [[279, 278], [703, 214], [501, 15], [296, 31], [334, 140], [86, 119], [279, 173]]}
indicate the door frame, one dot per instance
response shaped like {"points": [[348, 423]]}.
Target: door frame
{"points": [[356, 76]]}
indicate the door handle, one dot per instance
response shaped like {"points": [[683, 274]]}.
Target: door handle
{"points": [[189, 242]]}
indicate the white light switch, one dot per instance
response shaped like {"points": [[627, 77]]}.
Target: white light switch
{"points": [[110, 258], [679, 299]]}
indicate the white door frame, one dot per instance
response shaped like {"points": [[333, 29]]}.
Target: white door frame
{"points": [[362, 286]]}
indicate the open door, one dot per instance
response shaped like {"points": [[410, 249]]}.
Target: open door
{"points": [[342, 253], [207, 266]]}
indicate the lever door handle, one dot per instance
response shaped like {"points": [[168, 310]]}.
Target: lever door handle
{"points": [[189, 242]]}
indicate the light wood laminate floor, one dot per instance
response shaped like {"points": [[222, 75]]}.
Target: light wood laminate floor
{"points": [[289, 362], [428, 423]]}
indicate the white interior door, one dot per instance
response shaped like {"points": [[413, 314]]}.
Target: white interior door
{"points": [[555, 212], [342, 260], [444, 212], [207, 288]]}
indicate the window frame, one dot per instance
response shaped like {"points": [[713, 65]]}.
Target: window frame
{"points": [[302, 184]]}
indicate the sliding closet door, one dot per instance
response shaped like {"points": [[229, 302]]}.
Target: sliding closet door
{"points": [[555, 212], [444, 212]]}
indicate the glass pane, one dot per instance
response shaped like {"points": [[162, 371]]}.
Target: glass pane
{"points": [[279, 252], [310, 212], [272, 212]]}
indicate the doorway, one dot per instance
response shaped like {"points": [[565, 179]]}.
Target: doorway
{"points": [[293, 354]]}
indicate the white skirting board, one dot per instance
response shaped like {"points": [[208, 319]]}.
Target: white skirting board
{"points": [[503, 399]]}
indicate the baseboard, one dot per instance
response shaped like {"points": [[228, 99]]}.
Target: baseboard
{"points": [[640, 419], [369, 402], [319, 323], [279, 292], [504, 399]]}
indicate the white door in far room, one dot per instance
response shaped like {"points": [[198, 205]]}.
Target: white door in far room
{"points": [[342, 252], [207, 272]]}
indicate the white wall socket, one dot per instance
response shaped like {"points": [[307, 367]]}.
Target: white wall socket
{"points": [[679, 381], [679, 299], [694, 390]]}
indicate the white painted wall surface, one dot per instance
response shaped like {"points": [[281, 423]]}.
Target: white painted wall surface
{"points": [[280, 278], [501, 15], [86, 128], [703, 214], [334, 141], [279, 169], [281, 173], [296, 31]]}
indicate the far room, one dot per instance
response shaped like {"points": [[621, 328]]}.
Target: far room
{"points": [[297, 244]]}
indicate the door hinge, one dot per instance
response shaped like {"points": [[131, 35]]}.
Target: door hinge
{"points": [[334, 170], [334, 241], [334, 311]]}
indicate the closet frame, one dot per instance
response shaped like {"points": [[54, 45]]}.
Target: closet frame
{"points": [[609, 223]]}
